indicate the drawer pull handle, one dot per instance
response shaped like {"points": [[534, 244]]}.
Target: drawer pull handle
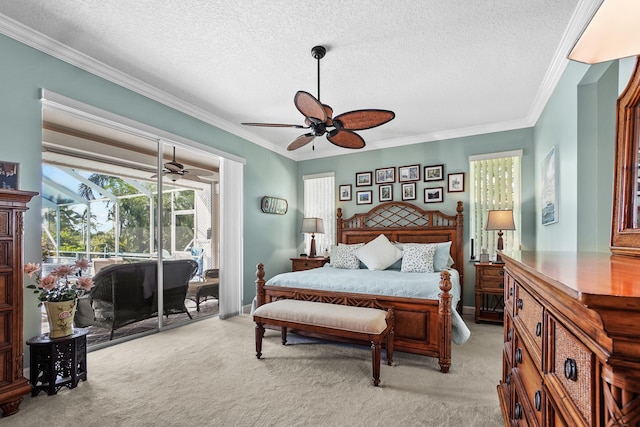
{"points": [[519, 357], [571, 369], [510, 292], [538, 329], [501, 272], [502, 285], [537, 400], [518, 411], [520, 303], [509, 334], [508, 379]]}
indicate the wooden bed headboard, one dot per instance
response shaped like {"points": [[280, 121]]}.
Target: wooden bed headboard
{"points": [[405, 223]]}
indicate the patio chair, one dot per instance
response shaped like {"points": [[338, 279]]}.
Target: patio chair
{"points": [[209, 287]]}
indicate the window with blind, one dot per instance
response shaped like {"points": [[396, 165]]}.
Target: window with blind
{"points": [[495, 180], [320, 202]]}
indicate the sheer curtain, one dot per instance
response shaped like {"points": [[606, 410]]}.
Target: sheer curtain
{"points": [[320, 202], [231, 237], [495, 186]]}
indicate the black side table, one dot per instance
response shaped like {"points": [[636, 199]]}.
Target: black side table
{"points": [[57, 362]]}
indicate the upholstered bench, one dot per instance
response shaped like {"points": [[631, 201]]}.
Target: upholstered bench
{"points": [[335, 320]]}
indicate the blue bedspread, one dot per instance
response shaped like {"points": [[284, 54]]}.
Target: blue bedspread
{"points": [[386, 282]]}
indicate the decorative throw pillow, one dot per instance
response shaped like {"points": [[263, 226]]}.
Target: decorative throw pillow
{"points": [[418, 258], [379, 253], [345, 256]]}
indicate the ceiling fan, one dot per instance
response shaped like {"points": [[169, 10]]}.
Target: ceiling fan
{"points": [[339, 129], [174, 170]]}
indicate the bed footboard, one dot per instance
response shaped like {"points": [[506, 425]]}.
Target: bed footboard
{"points": [[422, 326]]}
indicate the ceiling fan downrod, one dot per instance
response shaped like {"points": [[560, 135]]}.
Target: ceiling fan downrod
{"points": [[318, 52]]}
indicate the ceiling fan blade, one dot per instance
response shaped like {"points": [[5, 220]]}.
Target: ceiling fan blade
{"points": [[309, 106], [329, 111], [301, 141], [198, 172], [346, 139], [173, 166], [275, 125], [363, 119]]}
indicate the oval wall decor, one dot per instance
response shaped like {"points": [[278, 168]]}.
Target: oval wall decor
{"points": [[274, 205]]}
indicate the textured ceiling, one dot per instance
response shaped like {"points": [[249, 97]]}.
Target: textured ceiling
{"points": [[446, 68]]}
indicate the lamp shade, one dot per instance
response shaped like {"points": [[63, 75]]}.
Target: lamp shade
{"points": [[312, 225], [611, 34], [500, 220]]}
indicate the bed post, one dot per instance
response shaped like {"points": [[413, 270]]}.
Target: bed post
{"points": [[444, 320], [339, 226], [260, 285], [460, 251]]}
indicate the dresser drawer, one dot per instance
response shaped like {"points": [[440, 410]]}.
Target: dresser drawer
{"points": [[298, 264], [492, 278], [572, 368], [530, 376], [529, 313]]}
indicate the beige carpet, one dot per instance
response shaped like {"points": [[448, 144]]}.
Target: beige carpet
{"points": [[206, 374]]}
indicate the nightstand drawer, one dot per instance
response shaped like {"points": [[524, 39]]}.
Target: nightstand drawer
{"points": [[298, 264]]}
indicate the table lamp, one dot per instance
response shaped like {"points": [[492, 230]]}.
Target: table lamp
{"points": [[313, 226], [500, 220]]}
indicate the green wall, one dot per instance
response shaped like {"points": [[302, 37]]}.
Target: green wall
{"points": [[25, 71], [454, 154]]}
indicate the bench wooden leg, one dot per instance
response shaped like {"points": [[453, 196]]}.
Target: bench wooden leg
{"points": [[259, 335], [390, 347], [283, 334], [375, 360]]}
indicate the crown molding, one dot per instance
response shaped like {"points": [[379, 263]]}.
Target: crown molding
{"points": [[49, 46]]}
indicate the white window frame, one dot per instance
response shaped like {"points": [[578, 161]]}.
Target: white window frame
{"points": [[320, 202]]}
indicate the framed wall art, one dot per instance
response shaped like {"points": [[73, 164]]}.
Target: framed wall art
{"points": [[385, 193], [8, 175], [364, 197], [433, 195], [385, 175], [409, 173], [345, 192], [409, 191], [456, 182], [434, 173], [363, 179], [274, 205]]}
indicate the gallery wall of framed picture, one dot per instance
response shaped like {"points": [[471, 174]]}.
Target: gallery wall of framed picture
{"points": [[430, 180]]}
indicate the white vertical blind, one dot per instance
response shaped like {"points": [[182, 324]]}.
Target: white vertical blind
{"points": [[496, 186], [320, 202], [231, 238]]}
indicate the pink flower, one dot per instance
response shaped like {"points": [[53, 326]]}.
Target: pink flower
{"points": [[64, 315], [49, 282], [85, 283], [82, 264], [63, 271], [30, 268]]}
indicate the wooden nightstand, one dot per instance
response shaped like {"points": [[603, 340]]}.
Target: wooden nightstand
{"points": [[489, 292], [304, 263]]}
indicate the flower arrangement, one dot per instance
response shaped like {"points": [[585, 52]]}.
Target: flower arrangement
{"points": [[64, 283]]}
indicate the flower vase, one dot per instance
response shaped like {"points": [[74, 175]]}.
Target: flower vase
{"points": [[60, 316]]}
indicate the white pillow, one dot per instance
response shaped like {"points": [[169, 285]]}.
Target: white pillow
{"points": [[379, 253], [418, 258], [345, 256], [442, 258]]}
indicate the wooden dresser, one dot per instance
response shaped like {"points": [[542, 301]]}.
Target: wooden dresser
{"points": [[571, 340], [13, 384]]}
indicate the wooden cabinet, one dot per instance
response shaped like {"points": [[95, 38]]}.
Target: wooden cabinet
{"points": [[304, 263], [489, 292], [571, 340], [13, 384]]}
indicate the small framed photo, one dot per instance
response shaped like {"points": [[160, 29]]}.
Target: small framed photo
{"points": [[364, 197], [363, 179], [385, 175], [409, 191], [433, 195], [409, 173], [385, 192], [345, 192], [456, 182], [434, 173], [9, 175]]}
